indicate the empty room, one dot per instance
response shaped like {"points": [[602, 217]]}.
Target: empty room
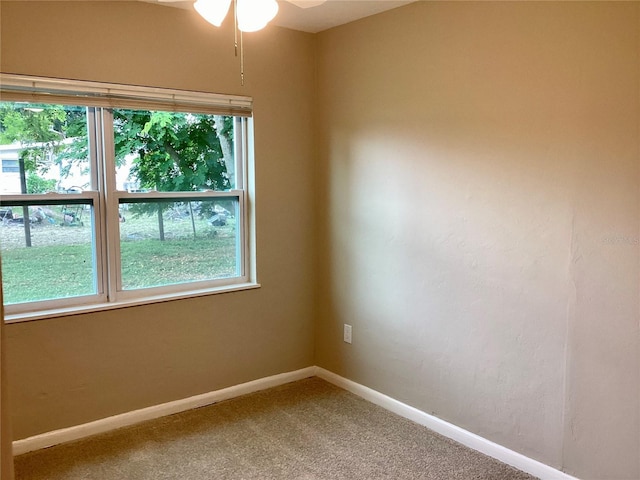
{"points": [[373, 239]]}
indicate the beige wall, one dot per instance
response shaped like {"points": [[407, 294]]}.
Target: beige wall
{"points": [[68, 371], [479, 220], [477, 195], [6, 450]]}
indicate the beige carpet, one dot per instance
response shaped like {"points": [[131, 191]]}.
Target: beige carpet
{"points": [[308, 429]]}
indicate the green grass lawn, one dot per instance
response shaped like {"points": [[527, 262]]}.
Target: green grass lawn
{"points": [[152, 262], [42, 273], [60, 263]]}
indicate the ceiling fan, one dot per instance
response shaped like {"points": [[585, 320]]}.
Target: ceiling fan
{"points": [[251, 15]]}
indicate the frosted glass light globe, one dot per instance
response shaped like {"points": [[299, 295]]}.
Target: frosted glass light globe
{"points": [[253, 15], [213, 11]]}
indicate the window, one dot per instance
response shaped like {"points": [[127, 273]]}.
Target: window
{"points": [[122, 194], [10, 166]]}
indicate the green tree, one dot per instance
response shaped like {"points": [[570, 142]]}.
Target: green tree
{"points": [[41, 130], [30, 123], [176, 151], [173, 151], [37, 184]]}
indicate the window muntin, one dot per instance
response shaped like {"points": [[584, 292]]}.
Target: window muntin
{"points": [[110, 207]]}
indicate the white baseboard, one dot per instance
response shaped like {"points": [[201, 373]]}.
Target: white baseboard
{"points": [[471, 440], [65, 435], [446, 429]]}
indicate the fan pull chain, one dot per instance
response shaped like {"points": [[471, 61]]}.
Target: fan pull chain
{"points": [[241, 60], [235, 32], [235, 25]]}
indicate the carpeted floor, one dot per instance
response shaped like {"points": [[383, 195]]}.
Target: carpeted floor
{"points": [[308, 429]]}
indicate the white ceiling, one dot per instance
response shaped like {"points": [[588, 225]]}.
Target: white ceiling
{"points": [[331, 13], [315, 19]]}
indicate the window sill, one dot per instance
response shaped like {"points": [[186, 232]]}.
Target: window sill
{"points": [[100, 307]]}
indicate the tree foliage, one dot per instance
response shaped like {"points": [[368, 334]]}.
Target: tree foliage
{"points": [[169, 151], [174, 151], [42, 131], [37, 184], [31, 123]]}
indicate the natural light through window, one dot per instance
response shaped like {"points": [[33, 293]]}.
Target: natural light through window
{"points": [[101, 203]]}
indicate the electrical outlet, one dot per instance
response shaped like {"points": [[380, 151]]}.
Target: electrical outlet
{"points": [[347, 333]]}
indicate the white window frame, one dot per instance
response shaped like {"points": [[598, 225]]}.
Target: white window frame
{"points": [[91, 197], [105, 198]]}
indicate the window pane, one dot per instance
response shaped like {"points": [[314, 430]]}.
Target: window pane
{"points": [[43, 148], [68, 159], [165, 243], [10, 166], [173, 152], [51, 257]]}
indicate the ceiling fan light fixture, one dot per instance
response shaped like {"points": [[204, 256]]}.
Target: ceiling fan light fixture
{"points": [[213, 11], [249, 16], [253, 15]]}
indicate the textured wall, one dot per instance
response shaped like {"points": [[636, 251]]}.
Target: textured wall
{"points": [[479, 220], [479, 209], [6, 452], [67, 371]]}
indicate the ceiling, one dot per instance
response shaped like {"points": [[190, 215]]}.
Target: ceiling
{"points": [[315, 19]]}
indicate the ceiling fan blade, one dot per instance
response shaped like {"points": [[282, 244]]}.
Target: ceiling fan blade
{"points": [[306, 3]]}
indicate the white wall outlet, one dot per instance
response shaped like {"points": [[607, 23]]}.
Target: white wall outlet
{"points": [[347, 333]]}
